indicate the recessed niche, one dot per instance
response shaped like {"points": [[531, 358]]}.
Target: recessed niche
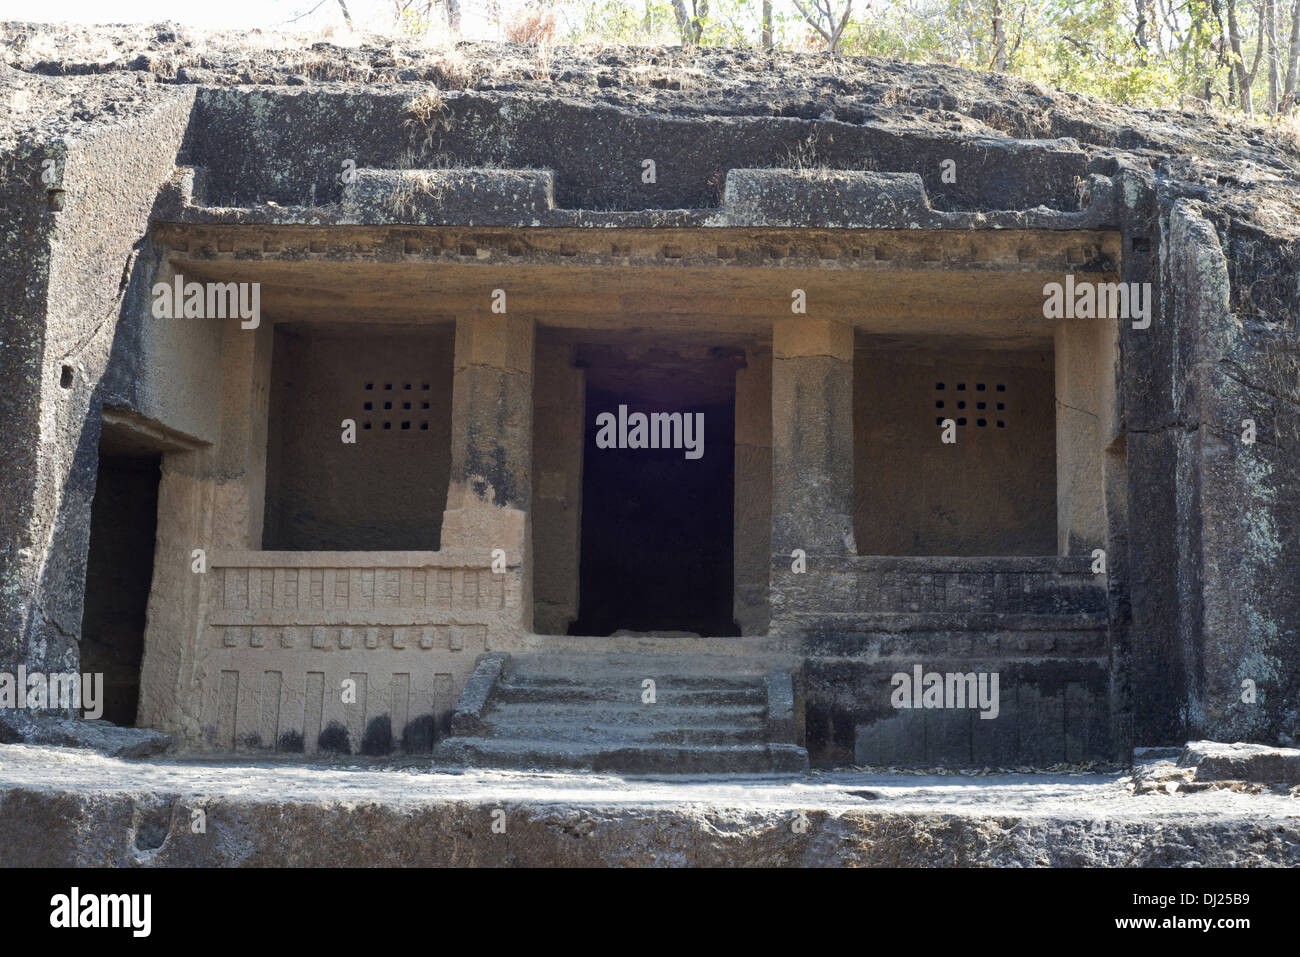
{"points": [[984, 495], [323, 494]]}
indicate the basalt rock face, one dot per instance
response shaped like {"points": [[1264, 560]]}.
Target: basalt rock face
{"points": [[104, 131]]}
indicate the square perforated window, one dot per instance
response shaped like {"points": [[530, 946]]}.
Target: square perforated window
{"points": [[979, 405], [384, 422]]}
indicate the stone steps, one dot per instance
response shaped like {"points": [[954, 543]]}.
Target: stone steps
{"points": [[585, 712], [674, 694], [632, 668], [637, 758], [623, 713], [605, 733]]}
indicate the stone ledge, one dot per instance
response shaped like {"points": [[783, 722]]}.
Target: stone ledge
{"points": [[881, 200], [991, 645], [99, 812], [442, 197], [667, 243], [1257, 763], [1010, 625], [468, 717], [769, 197], [95, 735]]}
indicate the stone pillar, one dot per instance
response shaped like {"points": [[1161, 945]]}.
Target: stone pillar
{"points": [[490, 491], [812, 437], [239, 467], [173, 641], [752, 533], [1086, 425], [557, 499]]}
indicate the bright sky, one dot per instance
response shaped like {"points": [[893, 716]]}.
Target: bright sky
{"points": [[308, 15], [226, 13]]}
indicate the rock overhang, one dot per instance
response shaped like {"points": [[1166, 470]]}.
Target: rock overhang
{"points": [[599, 105]]}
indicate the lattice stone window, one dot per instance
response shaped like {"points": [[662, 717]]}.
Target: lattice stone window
{"points": [[952, 399], [390, 405]]}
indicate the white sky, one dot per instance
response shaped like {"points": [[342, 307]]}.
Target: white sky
{"points": [[221, 13], [268, 14]]}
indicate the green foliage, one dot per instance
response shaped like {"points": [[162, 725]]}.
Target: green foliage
{"points": [[1142, 52], [619, 21]]}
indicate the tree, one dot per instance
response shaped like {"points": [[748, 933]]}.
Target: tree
{"points": [[1274, 64], [1292, 61], [691, 26], [1244, 79], [821, 16], [416, 16], [999, 39]]}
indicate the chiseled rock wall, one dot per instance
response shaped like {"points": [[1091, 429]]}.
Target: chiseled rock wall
{"points": [[1202, 592]]}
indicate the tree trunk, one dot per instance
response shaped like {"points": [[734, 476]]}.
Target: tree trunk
{"points": [[1238, 61], [347, 17], [1292, 59], [1140, 29], [453, 16], [999, 39], [1274, 64], [684, 29], [767, 23]]}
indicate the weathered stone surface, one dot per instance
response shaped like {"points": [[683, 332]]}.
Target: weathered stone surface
{"points": [[780, 706], [96, 735], [1241, 762], [442, 197], [812, 437], [468, 716], [101, 812]]}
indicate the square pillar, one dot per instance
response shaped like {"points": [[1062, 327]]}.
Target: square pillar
{"points": [[752, 523], [559, 412], [239, 460], [490, 489], [812, 437]]}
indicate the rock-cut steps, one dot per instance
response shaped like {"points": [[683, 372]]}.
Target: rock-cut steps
{"points": [[590, 712]]}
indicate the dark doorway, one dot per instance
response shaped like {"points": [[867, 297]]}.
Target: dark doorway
{"points": [[656, 551], [119, 572]]}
